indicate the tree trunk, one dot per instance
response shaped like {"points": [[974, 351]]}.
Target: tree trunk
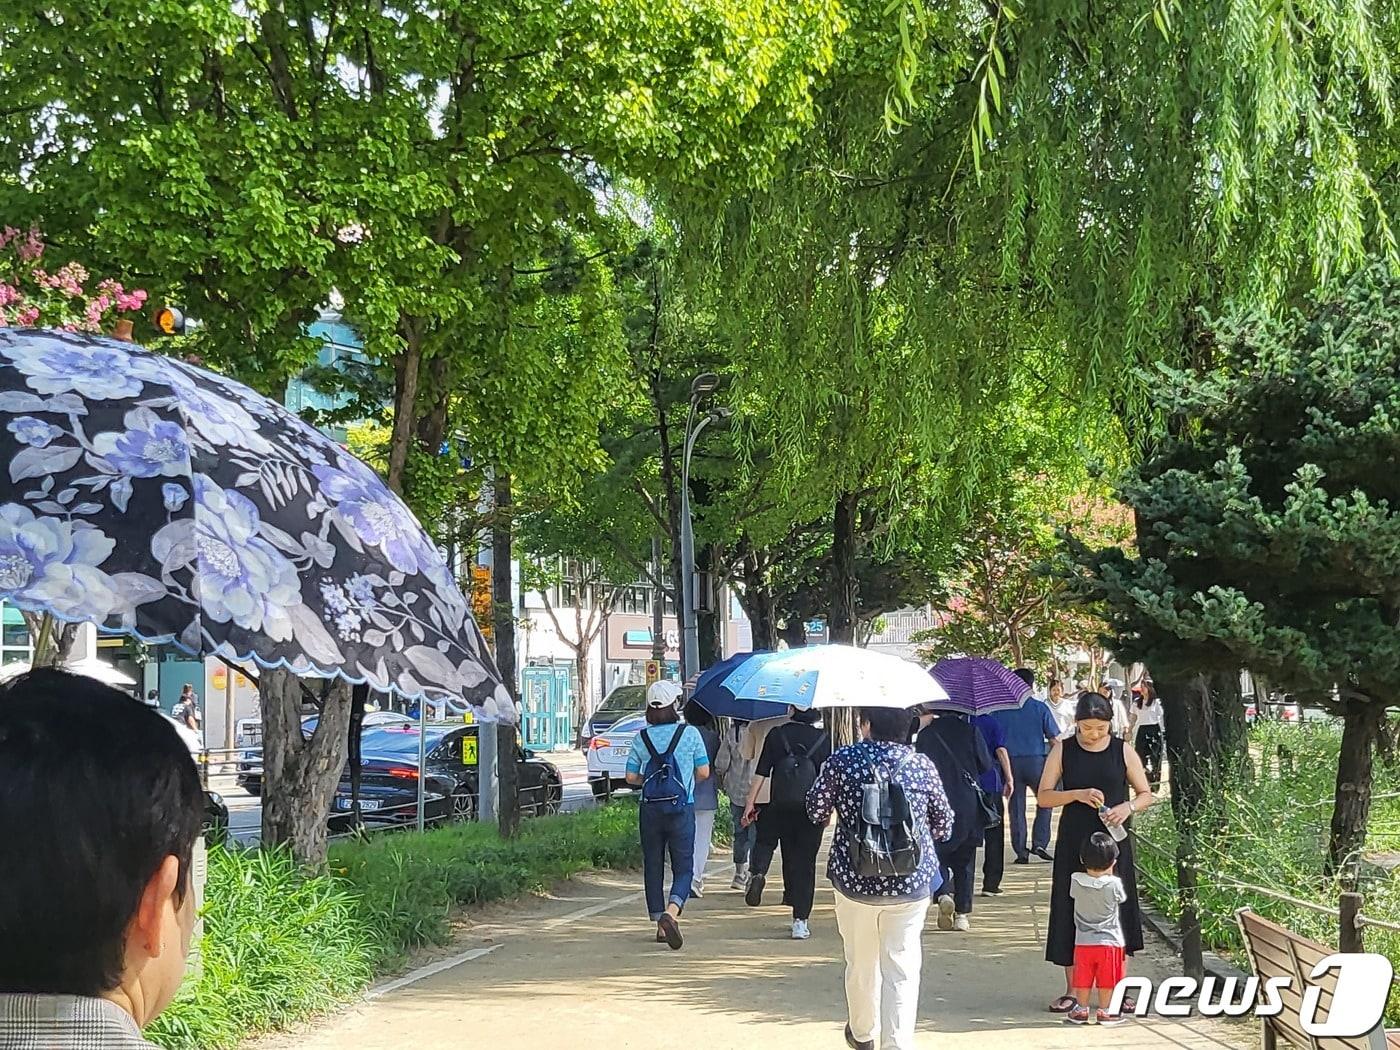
{"points": [[503, 624], [406, 367], [581, 698], [359, 694], [1187, 795], [658, 605], [708, 620], [844, 585], [502, 590], [300, 775], [51, 638], [509, 780], [1351, 808]]}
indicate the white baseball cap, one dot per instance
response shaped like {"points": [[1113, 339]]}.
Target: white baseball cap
{"points": [[663, 694]]}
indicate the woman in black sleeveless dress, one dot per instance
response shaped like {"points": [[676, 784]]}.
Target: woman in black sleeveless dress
{"points": [[1089, 769]]}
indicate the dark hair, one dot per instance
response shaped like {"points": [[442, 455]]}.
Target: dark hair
{"points": [[96, 790], [808, 717], [1099, 852], [1148, 696], [662, 716], [1093, 706], [1026, 675], [698, 716], [888, 725]]}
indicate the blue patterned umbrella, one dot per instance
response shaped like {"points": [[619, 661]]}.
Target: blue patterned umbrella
{"points": [[977, 686], [160, 500], [714, 695]]}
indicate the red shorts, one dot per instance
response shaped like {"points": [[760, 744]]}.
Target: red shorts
{"points": [[1098, 966]]}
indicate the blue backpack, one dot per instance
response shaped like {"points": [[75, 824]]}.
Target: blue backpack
{"points": [[662, 786]]}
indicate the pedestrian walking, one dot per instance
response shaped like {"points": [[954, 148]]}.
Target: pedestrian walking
{"points": [[706, 795], [1062, 707], [153, 698], [186, 709], [1098, 896], [960, 754], [1150, 726], [1090, 775], [883, 874], [735, 774], [996, 784], [792, 757], [100, 809], [666, 760], [1029, 730]]}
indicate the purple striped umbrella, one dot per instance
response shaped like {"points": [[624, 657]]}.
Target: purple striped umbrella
{"points": [[977, 686]]}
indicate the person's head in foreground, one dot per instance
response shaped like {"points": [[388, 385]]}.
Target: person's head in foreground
{"points": [[886, 725], [1099, 853], [662, 698], [1093, 713], [100, 807]]}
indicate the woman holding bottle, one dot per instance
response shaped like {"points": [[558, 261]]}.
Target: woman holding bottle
{"points": [[1090, 774]]}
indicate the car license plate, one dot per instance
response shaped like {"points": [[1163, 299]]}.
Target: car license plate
{"points": [[366, 804]]}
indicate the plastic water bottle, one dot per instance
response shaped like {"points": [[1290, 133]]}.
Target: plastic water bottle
{"points": [[1118, 831]]}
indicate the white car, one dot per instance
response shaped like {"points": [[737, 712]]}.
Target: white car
{"points": [[607, 755]]}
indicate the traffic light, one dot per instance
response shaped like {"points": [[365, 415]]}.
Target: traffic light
{"points": [[169, 321]]}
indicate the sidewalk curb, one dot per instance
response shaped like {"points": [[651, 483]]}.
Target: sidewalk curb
{"points": [[1167, 931]]}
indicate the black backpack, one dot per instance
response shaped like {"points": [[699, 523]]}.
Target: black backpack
{"points": [[883, 843], [793, 774]]}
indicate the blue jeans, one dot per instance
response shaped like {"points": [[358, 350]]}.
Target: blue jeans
{"points": [[743, 836], [663, 832], [1025, 772]]}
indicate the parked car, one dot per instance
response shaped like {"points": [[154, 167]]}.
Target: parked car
{"points": [[623, 701], [250, 769], [393, 751], [607, 755]]}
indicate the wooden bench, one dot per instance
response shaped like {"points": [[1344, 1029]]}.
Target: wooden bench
{"points": [[1276, 951]]}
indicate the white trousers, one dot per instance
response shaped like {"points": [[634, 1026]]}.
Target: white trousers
{"points": [[884, 954], [704, 833]]}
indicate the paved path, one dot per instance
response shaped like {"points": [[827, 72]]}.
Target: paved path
{"points": [[580, 969]]}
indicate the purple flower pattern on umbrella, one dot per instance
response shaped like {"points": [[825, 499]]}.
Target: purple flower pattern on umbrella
{"points": [[151, 447], [164, 501]]}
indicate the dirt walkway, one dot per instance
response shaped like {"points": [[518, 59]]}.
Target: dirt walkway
{"points": [[580, 969]]}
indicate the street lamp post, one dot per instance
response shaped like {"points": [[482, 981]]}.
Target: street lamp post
{"points": [[702, 387]]}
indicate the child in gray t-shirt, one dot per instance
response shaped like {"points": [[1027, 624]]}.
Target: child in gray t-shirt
{"points": [[1098, 932]]}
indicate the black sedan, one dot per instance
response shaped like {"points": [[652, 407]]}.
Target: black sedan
{"points": [[390, 759]]}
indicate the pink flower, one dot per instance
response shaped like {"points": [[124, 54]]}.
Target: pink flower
{"points": [[33, 247], [8, 294], [8, 234], [28, 315], [131, 300]]}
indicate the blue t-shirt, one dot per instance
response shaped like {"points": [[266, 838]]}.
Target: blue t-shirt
{"points": [[690, 752], [1028, 729], [995, 737]]}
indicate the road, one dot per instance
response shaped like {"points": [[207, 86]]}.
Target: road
{"points": [[581, 968], [245, 811]]}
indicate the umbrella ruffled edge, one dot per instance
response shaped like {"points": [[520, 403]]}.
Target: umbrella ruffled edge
{"points": [[454, 701]]}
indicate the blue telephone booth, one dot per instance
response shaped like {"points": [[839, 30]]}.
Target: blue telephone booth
{"points": [[546, 708]]}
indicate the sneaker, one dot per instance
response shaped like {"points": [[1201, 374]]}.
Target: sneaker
{"points": [[1079, 1015], [946, 907], [1043, 853], [697, 891], [1021, 860], [856, 1044], [961, 923], [753, 897], [741, 877], [1104, 1017], [992, 891], [800, 932]]}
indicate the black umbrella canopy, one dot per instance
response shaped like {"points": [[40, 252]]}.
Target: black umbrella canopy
{"points": [[173, 504]]}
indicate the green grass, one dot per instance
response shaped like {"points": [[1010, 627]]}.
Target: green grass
{"points": [[282, 945], [1273, 833]]}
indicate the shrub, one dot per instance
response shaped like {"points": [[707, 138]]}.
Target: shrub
{"points": [[279, 946]]}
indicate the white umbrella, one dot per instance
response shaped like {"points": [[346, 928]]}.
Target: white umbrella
{"points": [[90, 666], [834, 676]]}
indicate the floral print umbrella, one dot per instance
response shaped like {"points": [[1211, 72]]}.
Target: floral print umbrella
{"points": [[163, 501]]}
